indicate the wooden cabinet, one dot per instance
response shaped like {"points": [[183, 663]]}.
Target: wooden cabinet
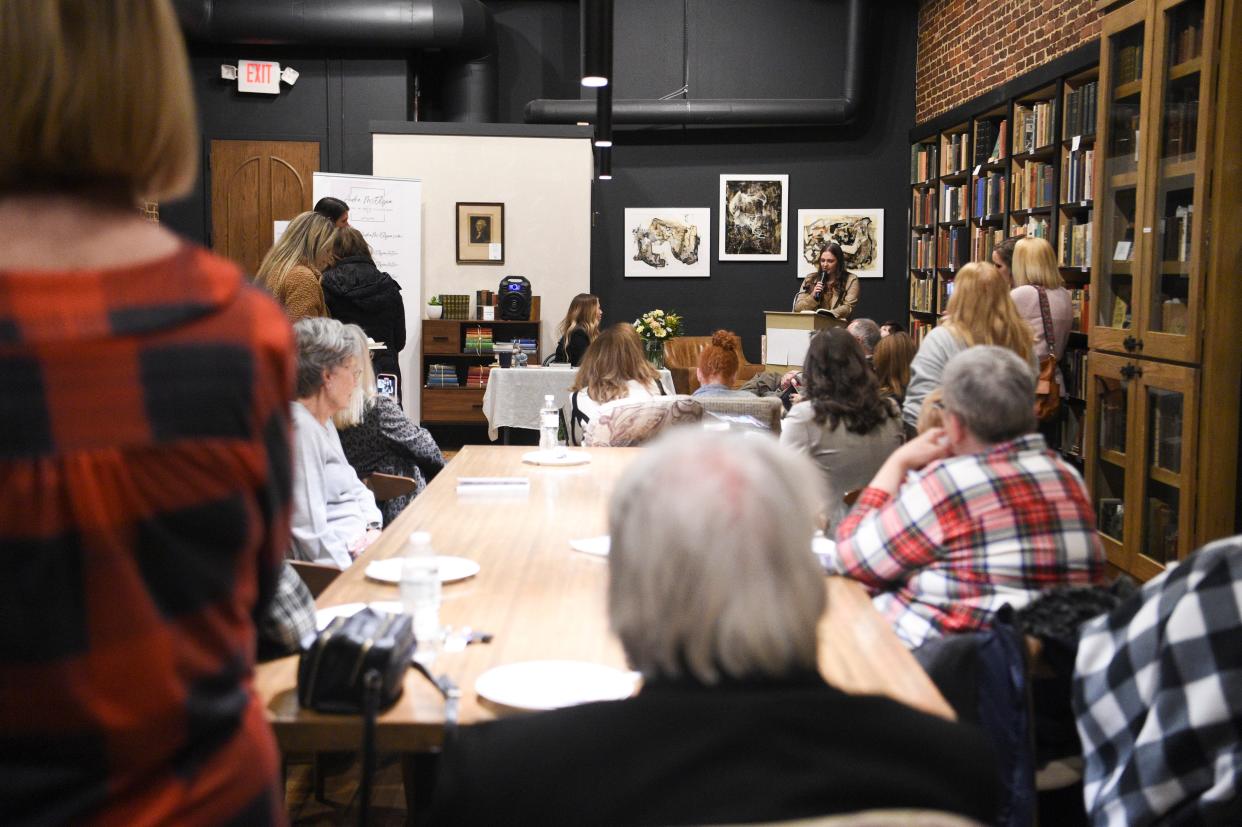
{"points": [[450, 392], [1162, 465]]}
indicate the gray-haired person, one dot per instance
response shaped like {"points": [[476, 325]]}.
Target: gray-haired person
{"points": [[716, 598], [990, 516], [334, 514]]}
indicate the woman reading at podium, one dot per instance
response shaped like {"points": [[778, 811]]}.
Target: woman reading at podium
{"points": [[831, 287]]}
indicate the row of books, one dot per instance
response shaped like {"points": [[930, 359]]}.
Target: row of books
{"points": [[442, 376], [477, 376], [1080, 109], [952, 247], [1174, 316], [923, 207], [1032, 185], [1076, 242], [1113, 420], [983, 241], [953, 206], [1188, 42], [919, 328], [1181, 122], [1074, 371], [990, 194], [922, 251], [1033, 126], [922, 295], [1129, 63], [1036, 226], [1125, 132], [1080, 302], [479, 339], [1078, 183], [1178, 232], [991, 141], [1070, 436], [525, 345], [922, 162], [1166, 429], [956, 153], [946, 293], [456, 306]]}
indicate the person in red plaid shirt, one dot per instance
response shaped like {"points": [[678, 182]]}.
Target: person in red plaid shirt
{"points": [[966, 518], [144, 453]]}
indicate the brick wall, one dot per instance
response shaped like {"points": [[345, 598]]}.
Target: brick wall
{"points": [[966, 47]]}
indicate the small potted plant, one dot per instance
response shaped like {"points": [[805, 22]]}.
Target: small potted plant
{"points": [[434, 309]]}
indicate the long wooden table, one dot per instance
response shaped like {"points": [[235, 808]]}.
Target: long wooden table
{"points": [[543, 600]]}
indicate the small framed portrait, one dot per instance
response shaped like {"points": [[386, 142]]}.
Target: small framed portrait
{"points": [[480, 233]]}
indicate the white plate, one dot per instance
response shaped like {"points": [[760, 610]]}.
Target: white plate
{"points": [[326, 615], [451, 569], [553, 684], [596, 546], [553, 458]]}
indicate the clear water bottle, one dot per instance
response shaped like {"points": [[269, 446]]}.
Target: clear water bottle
{"points": [[420, 589], [549, 424]]}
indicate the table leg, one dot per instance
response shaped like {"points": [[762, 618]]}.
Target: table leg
{"points": [[504, 434], [418, 775]]}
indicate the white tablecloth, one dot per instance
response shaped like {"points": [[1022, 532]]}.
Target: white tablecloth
{"points": [[515, 395]]}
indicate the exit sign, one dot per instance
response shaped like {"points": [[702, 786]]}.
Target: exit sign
{"points": [[258, 76]]}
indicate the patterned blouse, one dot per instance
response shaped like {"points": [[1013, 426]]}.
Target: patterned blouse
{"points": [[389, 443]]}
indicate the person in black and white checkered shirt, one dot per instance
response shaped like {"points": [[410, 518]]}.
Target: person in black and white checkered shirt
{"points": [[1158, 698]]}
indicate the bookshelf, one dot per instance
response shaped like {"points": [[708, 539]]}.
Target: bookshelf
{"points": [[924, 201], [1033, 177], [989, 182], [1163, 303], [454, 359]]}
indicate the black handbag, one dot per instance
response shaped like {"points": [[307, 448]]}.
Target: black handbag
{"points": [[357, 665], [332, 671]]}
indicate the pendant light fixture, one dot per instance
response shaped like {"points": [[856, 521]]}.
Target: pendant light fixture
{"points": [[596, 33]]}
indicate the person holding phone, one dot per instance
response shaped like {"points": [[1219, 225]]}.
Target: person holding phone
{"points": [[831, 287]]}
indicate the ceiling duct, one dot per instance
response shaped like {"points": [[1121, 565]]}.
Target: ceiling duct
{"points": [[730, 111], [463, 29]]}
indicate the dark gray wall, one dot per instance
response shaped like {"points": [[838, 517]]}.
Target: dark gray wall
{"points": [[737, 48]]}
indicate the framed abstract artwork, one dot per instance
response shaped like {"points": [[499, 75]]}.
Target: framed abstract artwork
{"points": [[753, 211], [859, 232], [667, 242]]}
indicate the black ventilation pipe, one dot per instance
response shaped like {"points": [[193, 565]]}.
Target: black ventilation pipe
{"points": [[463, 28], [730, 111]]}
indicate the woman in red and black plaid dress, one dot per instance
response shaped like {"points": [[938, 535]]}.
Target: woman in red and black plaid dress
{"points": [[144, 458]]}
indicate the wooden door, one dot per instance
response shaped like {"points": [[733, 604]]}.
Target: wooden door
{"points": [[254, 183]]}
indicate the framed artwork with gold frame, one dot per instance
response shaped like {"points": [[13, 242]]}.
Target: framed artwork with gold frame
{"points": [[480, 233]]}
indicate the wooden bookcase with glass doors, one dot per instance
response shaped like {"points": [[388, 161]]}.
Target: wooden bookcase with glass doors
{"points": [[1153, 452]]}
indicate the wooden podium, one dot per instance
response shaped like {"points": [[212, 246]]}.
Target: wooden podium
{"points": [[789, 334]]}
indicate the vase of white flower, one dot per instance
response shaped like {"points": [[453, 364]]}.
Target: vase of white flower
{"points": [[656, 327]]}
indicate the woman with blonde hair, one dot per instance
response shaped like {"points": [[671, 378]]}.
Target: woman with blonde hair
{"points": [[1038, 284], [891, 361], [377, 436], [717, 368], [578, 329], [613, 370], [145, 462], [980, 312], [292, 270]]}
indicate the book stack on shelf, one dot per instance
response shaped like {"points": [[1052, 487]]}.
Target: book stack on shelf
{"points": [[1036, 226], [1166, 430], [990, 195], [1077, 176], [1033, 187], [479, 340], [919, 328], [523, 344], [477, 375], [483, 299], [1188, 42], [1080, 302], [991, 141], [1070, 443], [955, 200], [1080, 106], [442, 376], [922, 162], [922, 294], [1177, 234], [922, 252], [1076, 242], [1130, 63], [951, 248], [946, 293], [1074, 369], [1033, 126], [1181, 121], [956, 152], [983, 241], [922, 207]]}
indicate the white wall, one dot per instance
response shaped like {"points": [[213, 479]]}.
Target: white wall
{"points": [[545, 185]]}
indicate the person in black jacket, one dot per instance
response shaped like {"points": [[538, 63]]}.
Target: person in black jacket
{"points": [[733, 723], [358, 293], [578, 329]]}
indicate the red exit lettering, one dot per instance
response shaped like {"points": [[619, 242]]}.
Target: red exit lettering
{"points": [[258, 72]]}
